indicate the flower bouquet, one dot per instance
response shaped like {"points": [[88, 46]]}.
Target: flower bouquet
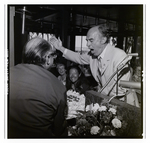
{"points": [[94, 117], [98, 121]]}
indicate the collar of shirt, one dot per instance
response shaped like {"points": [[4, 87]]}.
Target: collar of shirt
{"points": [[101, 56]]}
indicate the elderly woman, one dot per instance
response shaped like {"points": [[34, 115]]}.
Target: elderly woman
{"points": [[61, 68], [36, 104]]}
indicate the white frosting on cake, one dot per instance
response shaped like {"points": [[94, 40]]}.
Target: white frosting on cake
{"points": [[75, 102]]}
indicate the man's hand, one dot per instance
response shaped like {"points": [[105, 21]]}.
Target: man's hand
{"points": [[57, 43]]}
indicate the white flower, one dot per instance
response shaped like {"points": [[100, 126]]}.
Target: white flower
{"points": [[112, 132], [116, 123], [95, 107], [102, 108], [89, 107], [74, 127], [112, 110], [69, 134], [95, 130]]}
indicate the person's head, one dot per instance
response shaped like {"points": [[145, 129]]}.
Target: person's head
{"points": [[39, 52], [74, 73], [97, 39], [61, 68]]}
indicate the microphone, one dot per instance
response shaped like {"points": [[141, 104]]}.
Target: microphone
{"points": [[133, 54], [119, 67], [130, 84]]}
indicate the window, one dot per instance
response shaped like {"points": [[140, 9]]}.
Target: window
{"points": [[129, 44], [80, 44], [113, 41], [45, 36]]}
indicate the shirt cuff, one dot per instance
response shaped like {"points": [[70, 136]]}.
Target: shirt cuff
{"points": [[65, 51]]}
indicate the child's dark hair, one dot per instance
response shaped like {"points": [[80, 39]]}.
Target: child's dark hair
{"points": [[76, 67]]}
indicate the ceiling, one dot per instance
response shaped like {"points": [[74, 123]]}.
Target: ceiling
{"points": [[81, 17]]}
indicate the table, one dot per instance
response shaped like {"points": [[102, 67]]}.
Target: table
{"points": [[130, 113]]}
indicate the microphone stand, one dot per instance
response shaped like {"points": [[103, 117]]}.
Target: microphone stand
{"points": [[119, 68], [117, 82]]}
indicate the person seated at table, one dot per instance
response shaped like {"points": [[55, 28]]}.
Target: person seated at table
{"points": [[37, 100], [76, 80], [61, 68]]}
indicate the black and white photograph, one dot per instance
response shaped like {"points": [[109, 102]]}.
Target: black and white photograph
{"points": [[75, 71]]}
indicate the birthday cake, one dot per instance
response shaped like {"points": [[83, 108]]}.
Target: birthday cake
{"points": [[75, 103]]}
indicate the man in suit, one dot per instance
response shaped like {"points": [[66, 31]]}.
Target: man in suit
{"points": [[102, 58], [36, 105]]}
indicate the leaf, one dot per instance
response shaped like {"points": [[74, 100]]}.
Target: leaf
{"points": [[105, 102]]}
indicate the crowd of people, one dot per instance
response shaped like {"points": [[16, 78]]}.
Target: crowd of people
{"points": [[37, 98]]}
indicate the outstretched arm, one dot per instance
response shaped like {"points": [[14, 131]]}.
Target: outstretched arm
{"points": [[57, 43], [68, 54]]}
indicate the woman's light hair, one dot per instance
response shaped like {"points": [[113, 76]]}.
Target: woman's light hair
{"points": [[35, 51]]}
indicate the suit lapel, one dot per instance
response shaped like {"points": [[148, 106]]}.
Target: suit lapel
{"points": [[94, 67], [105, 61], [104, 66]]}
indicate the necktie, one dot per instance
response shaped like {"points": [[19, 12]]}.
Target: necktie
{"points": [[99, 67]]}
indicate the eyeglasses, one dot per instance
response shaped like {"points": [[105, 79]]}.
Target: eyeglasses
{"points": [[53, 55]]}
